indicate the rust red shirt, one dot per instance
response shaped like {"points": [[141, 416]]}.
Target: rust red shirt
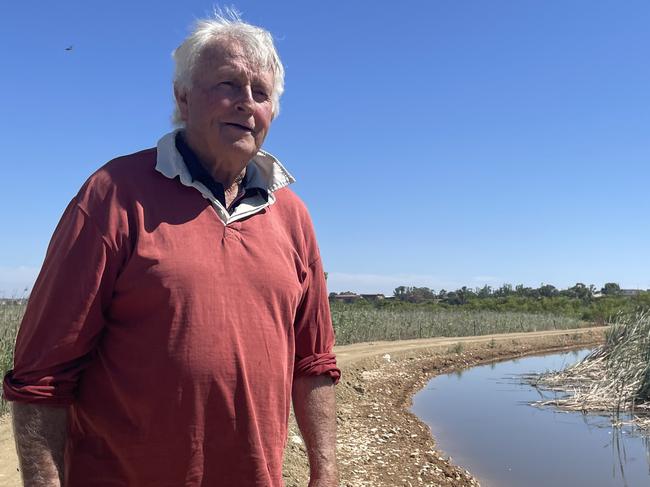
{"points": [[172, 337]]}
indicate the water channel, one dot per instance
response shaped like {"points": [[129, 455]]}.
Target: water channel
{"points": [[482, 419]]}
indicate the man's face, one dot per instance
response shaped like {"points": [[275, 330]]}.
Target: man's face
{"points": [[228, 110]]}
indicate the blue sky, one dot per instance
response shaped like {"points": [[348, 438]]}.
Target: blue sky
{"points": [[436, 143]]}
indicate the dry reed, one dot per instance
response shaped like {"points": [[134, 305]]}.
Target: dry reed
{"points": [[613, 379]]}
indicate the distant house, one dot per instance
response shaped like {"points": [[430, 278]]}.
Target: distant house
{"points": [[373, 297], [630, 292], [350, 297], [345, 297]]}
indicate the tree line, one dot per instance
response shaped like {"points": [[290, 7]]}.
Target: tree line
{"points": [[584, 302], [465, 294]]}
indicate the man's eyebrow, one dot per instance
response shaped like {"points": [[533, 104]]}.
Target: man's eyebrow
{"points": [[226, 69], [258, 80]]}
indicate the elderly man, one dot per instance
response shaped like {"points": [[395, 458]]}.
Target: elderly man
{"points": [[182, 301]]}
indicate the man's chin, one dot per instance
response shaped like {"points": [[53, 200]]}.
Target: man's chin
{"points": [[246, 148], [241, 151]]}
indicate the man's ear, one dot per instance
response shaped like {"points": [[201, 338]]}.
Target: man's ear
{"points": [[180, 93]]}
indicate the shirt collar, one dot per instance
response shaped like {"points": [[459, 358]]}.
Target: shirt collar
{"points": [[197, 171], [263, 171]]}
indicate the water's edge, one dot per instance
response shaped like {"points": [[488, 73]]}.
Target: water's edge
{"points": [[419, 367], [501, 438]]}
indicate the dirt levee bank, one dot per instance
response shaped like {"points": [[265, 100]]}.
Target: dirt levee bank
{"points": [[380, 442]]}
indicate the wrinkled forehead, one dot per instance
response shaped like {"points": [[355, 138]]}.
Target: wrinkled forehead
{"points": [[232, 52]]}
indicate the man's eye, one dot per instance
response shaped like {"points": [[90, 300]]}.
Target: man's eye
{"points": [[223, 85], [261, 94]]}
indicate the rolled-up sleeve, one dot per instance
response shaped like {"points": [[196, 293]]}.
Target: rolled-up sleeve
{"points": [[313, 328], [65, 313]]}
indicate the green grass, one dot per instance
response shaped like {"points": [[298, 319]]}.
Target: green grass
{"points": [[354, 324], [457, 348], [10, 316]]}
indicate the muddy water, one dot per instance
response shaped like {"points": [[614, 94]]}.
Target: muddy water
{"points": [[481, 417]]}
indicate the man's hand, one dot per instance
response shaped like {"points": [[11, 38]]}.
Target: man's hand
{"points": [[314, 404], [40, 433]]}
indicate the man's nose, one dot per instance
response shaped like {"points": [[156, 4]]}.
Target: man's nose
{"points": [[245, 102]]}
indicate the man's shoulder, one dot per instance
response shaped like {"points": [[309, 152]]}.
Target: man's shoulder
{"points": [[295, 217], [122, 179], [288, 200], [125, 168], [292, 207]]}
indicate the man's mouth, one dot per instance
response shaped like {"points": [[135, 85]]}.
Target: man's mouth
{"points": [[239, 126]]}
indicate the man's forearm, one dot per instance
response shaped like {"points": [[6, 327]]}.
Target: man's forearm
{"points": [[40, 433], [314, 404]]}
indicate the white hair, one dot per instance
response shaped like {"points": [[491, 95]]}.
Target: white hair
{"points": [[227, 26]]}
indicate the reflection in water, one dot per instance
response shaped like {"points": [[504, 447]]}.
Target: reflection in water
{"points": [[483, 419], [616, 430], [619, 426], [620, 457], [619, 451]]}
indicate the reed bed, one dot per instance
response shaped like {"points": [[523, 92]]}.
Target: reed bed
{"points": [[613, 379], [11, 312], [354, 324]]}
